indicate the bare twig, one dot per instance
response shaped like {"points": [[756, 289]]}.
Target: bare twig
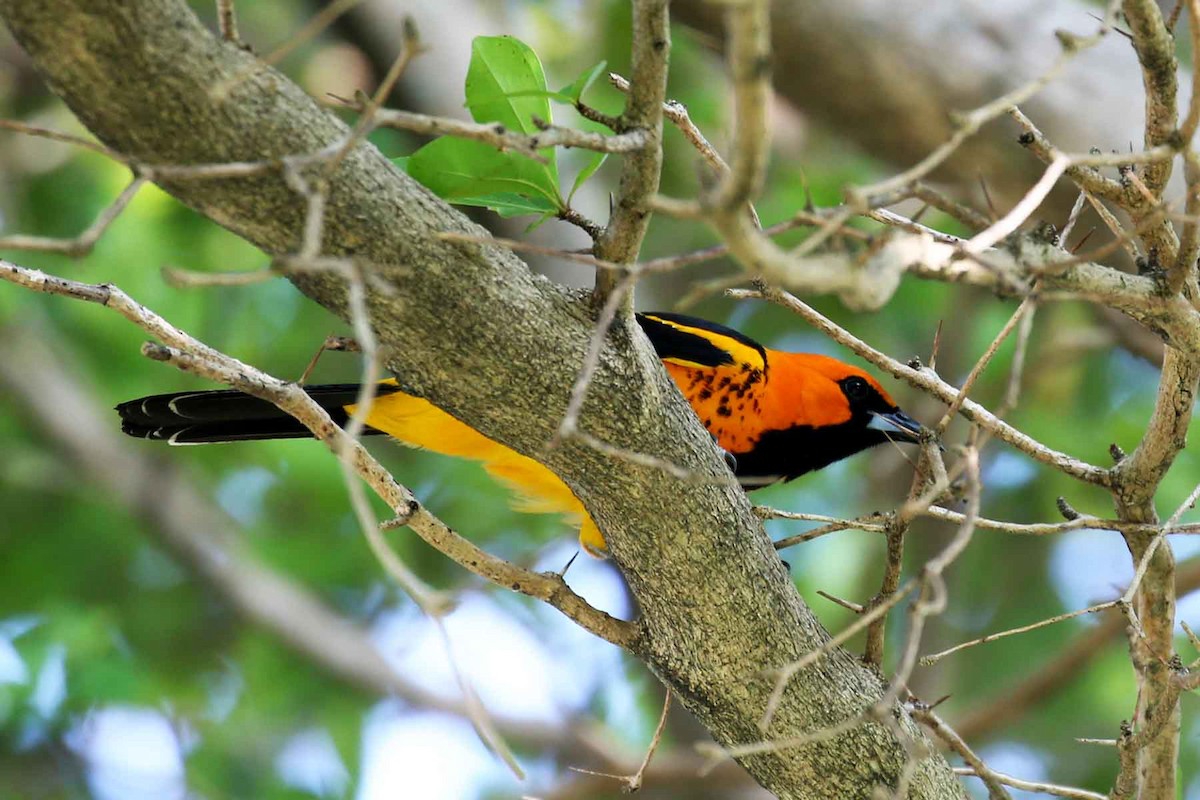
{"points": [[60, 136], [944, 732], [929, 382], [1072, 218], [504, 139], [749, 58], [893, 563], [569, 423], [410, 48], [1137, 479], [1187, 129], [485, 726], [857, 608], [82, 244], [876, 523], [1023, 309], [933, 658], [1040, 787], [1182, 271], [1002, 227], [311, 29], [678, 115], [631, 783], [227, 21], [787, 672], [963, 213], [928, 481], [640, 171], [932, 599], [966, 125], [653, 462], [1155, 48], [904, 223], [191, 279], [1086, 176]]}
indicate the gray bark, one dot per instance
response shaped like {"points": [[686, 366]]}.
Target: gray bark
{"points": [[473, 330]]}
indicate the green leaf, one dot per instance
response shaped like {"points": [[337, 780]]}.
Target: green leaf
{"points": [[537, 223], [557, 96], [589, 169], [575, 89], [505, 84], [509, 204], [401, 162], [470, 173]]}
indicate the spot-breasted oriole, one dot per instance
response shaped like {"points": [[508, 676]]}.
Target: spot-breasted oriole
{"points": [[778, 415]]}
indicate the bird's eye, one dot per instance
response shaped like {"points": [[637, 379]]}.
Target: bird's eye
{"points": [[856, 388]]}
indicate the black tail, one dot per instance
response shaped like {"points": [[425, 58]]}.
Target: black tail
{"points": [[230, 416]]}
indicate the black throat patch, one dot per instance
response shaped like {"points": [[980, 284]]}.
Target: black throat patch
{"points": [[787, 454]]}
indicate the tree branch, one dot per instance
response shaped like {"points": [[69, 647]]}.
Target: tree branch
{"points": [[140, 76], [188, 354], [641, 169]]}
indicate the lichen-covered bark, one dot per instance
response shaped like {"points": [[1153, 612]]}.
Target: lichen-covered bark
{"points": [[472, 329]]}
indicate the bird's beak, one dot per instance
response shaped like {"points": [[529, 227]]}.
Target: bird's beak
{"points": [[897, 425]]}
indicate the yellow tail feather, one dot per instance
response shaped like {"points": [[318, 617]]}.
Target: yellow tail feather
{"points": [[418, 423]]}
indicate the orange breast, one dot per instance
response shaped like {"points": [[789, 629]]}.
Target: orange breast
{"points": [[730, 401], [739, 402]]}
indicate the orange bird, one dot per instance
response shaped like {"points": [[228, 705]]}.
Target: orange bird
{"points": [[777, 414]]}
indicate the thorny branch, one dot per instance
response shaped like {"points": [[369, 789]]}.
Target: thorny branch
{"points": [[631, 783], [994, 257], [1064, 667], [945, 733]]}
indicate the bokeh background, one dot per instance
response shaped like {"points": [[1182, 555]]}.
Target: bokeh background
{"points": [[132, 667]]}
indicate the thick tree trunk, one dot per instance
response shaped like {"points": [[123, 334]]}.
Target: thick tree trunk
{"points": [[473, 330]]}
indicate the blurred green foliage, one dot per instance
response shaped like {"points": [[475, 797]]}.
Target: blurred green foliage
{"points": [[81, 577]]}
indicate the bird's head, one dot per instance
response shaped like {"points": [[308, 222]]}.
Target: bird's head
{"points": [[851, 397]]}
